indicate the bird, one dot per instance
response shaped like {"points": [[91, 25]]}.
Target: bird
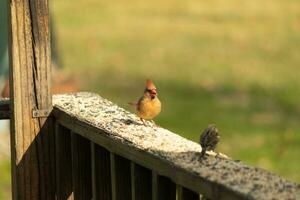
{"points": [[209, 139], [148, 106]]}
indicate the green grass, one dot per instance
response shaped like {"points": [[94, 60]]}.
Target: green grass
{"points": [[234, 63], [5, 180]]}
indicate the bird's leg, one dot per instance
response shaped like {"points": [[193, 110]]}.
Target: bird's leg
{"points": [[202, 154], [143, 121], [217, 155]]}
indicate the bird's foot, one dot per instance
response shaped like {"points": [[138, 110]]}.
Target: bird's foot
{"points": [[143, 122], [200, 159], [222, 156], [217, 155], [154, 123], [202, 155]]}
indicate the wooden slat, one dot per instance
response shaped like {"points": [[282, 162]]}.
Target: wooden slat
{"points": [[101, 173], [81, 167], [202, 197], [166, 188], [186, 194], [94, 192], [141, 182], [45, 151], [113, 176], [120, 178], [30, 88], [154, 186], [64, 186]]}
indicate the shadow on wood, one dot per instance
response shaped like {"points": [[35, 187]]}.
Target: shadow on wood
{"points": [[36, 169]]}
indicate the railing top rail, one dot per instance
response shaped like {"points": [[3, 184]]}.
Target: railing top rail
{"points": [[120, 131]]}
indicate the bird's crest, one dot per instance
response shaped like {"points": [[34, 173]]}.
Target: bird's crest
{"points": [[150, 85]]}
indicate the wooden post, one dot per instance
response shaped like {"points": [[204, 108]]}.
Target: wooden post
{"points": [[32, 146]]}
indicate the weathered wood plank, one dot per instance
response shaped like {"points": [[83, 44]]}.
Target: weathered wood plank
{"points": [[120, 178], [101, 173], [81, 167], [64, 185], [46, 159], [30, 76], [154, 185], [94, 192], [113, 176], [186, 194], [166, 189], [166, 153], [141, 182]]}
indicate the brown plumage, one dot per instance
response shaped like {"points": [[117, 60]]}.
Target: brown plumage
{"points": [[209, 139], [148, 106]]}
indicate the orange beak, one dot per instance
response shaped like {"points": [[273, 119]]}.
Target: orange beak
{"points": [[153, 93]]}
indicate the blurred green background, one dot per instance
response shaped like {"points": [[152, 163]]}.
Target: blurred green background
{"points": [[234, 63]]}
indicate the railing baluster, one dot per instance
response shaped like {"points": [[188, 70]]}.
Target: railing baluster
{"points": [[166, 189], [64, 188], [186, 194], [154, 186], [202, 197], [141, 179], [101, 173], [120, 178], [81, 164], [94, 191], [113, 176]]}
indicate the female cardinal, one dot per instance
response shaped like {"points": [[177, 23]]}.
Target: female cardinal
{"points": [[148, 106]]}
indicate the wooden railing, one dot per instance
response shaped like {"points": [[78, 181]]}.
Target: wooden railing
{"points": [[104, 152], [89, 148]]}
